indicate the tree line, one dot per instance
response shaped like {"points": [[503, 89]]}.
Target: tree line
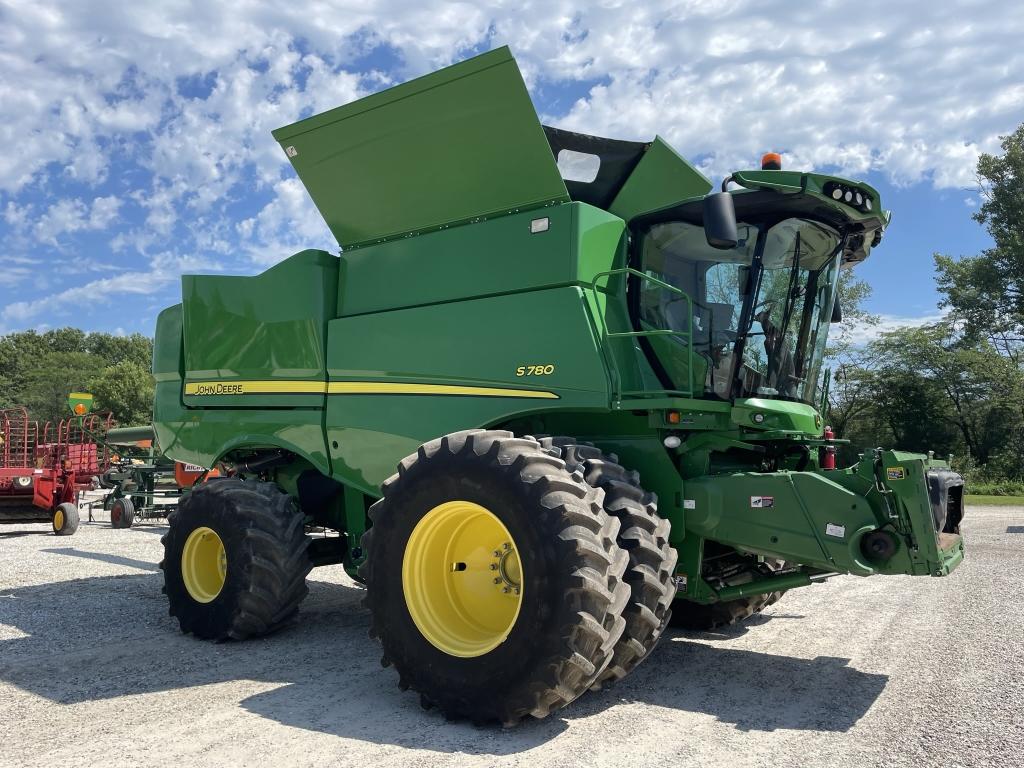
{"points": [[39, 370], [955, 386]]}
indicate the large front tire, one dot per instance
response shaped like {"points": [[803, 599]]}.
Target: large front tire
{"points": [[235, 560], [482, 630]]}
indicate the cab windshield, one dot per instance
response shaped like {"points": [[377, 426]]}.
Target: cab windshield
{"points": [[752, 321]]}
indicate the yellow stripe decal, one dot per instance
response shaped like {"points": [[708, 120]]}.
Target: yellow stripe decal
{"points": [[399, 388], [284, 387], [280, 387]]}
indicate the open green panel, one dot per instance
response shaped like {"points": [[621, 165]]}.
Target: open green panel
{"points": [[662, 177], [456, 145]]}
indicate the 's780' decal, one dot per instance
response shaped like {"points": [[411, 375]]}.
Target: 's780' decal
{"points": [[535, 370]]}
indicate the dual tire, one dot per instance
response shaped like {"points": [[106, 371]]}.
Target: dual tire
{"points": [[581, 617]]}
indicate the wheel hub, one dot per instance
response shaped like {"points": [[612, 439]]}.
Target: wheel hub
{"points": [[204, 565], [462, 579]]}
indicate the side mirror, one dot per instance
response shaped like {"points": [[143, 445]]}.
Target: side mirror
{"points": [[837, 312], [720, 221]]}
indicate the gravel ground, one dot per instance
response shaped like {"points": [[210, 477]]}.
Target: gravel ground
{"points": [[854, 672]]}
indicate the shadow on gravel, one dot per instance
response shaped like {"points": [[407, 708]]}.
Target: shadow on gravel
{"points": [[99, 638], [130, 562], [106, 637], [732, 631], [754, 691]]}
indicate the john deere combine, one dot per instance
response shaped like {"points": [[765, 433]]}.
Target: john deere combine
{"points": [[598, 378]]}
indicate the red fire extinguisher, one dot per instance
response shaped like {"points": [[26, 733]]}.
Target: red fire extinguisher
{"points": [[827, 455]]}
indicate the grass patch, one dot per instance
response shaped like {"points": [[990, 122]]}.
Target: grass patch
{"points": [[994, 501]]}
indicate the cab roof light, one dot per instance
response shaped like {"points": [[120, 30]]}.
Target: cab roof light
{"points": [[852, 196], [771, 161]]}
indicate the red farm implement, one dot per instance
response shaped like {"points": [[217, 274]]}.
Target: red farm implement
{"points": [[44, 468]]}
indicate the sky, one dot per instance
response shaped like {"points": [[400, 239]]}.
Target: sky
{"points": [[137, 140]]}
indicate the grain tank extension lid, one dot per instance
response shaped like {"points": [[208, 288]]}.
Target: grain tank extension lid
{"points": [[446, 148]]}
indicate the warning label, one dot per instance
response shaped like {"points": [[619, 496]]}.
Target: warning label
{"points": [[762, 502]]}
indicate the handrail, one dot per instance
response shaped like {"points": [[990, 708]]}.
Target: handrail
{"points": [[687, 335]]}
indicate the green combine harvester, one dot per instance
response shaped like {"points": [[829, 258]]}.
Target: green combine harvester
{"points": [[599, 378]]}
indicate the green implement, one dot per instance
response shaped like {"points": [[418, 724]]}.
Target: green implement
{"points": [[599, 380]]}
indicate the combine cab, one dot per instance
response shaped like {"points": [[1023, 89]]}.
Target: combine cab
{"points": [[597, 376], [43, 469]]}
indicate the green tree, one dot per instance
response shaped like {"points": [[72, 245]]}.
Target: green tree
{"points": [[136, 348], [125, 389], [987, 290], [38, 370], [944, 391], [851, 390], [51, 378]]}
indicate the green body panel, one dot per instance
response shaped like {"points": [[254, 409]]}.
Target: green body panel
{"points": [[273, 325], [728, 508], [505, 305], [658, 180], [476, 343], [446, 148], [485, 259], [202, 435]]}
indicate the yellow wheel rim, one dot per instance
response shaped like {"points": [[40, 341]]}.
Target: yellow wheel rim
{"points": [[58, 519], [204, 564], [462, 579]]}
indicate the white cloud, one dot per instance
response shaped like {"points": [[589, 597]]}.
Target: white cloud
{"points": [[164, 270], [287, 224], [74, 215], [103, 290], [914, 89], [188, 94], [860, 334]]}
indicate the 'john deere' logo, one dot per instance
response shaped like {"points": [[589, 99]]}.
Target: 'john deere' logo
{"points": [[217, 389]]}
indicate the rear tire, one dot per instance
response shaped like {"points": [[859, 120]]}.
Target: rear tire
{"points": [[122, 513], [644, 535], [65, 519], [235, 560], [568, 618]]}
